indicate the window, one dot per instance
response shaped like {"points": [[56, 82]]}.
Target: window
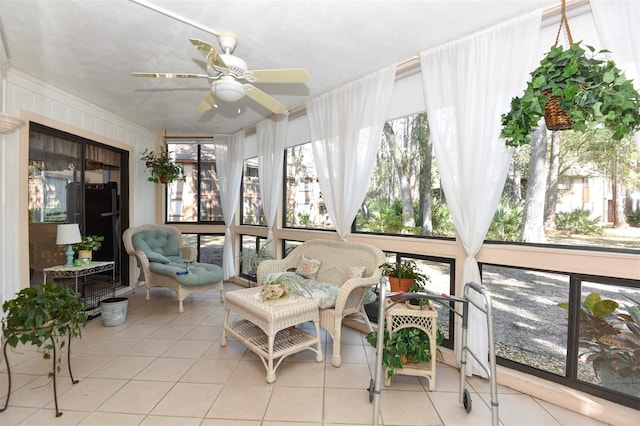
{"points": [[404, 195], [252, 213], [253, 251], [198, 198], [585, 191], [536, 312], [210, 247], [304, 205]]}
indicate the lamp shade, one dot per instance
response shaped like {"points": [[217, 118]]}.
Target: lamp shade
{"points": [[68, 233]]}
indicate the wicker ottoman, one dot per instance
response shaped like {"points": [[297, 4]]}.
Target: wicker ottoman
{"points": [[268, 329]]}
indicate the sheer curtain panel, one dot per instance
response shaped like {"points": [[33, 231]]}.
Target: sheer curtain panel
{"points": [[271, 136], [468, 84], [229, 152], [346, 127], [618, 24]]}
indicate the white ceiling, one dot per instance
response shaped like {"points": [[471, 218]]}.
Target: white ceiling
{"points": [[90, 47]]}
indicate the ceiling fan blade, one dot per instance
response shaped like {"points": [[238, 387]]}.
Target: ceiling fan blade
{"points": [[291, 75], [207, 103], [168, 75], [209, 52], [265, 100]]}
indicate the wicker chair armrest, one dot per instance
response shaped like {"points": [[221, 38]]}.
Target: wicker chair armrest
{"points": [[273, 265], [355, 287]]}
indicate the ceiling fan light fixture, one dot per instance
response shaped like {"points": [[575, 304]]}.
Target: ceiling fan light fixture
{"points": [[228, 89]]}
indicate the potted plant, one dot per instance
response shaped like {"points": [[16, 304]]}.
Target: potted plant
{"points": [[590, 91], [611, 342], [403, 275], [163, 169], [405, 346], [44, 317], [87, 246], [253, 258]]}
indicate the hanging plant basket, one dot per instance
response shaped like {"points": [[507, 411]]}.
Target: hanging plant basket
{"points": [[162, 167], [554, 117], [573, 91]]}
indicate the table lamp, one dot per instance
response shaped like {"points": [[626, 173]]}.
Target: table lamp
{"points": [[68, 234]]}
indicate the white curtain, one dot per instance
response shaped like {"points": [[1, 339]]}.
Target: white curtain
{"points": [[618, 24], [346, 126], [468, 84], [229, 151], [271, 136]]}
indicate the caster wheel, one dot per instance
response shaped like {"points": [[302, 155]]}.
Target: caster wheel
{"points": [[466, 401], [371, 390]]}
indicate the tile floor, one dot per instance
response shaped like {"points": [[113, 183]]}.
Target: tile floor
{"points": [[165, 368]]}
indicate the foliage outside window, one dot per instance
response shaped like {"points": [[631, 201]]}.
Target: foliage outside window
{"points": [[572, 188], [304, 205], [404, 195], [252, 210], [198, 198], [253, 250]]}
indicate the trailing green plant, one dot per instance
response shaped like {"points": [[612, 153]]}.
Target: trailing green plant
{"points": [[89, 242], [593, 92], [253, 258], [162, 168], [405, 345], [44, 317], [578, 222]]}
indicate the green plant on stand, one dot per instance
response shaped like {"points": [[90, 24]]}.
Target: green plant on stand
{"points": [[407, 345], [44, 317]]}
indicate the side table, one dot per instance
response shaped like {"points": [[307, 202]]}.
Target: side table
{"points": [[399, 316], [80, 271], [268, 329]]}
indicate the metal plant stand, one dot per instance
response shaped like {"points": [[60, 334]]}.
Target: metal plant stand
{"points": [[54, 360]]}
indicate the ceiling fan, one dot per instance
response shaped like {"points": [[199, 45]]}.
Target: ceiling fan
{"points": [[227, 72]]}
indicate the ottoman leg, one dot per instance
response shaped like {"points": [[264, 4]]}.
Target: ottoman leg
{"points": [[271, 373]]}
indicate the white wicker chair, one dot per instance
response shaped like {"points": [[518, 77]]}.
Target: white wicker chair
{"points": [[153, 279], [335, 256]]}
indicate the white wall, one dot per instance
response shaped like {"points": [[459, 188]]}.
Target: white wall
{"points": [[35, 101]]}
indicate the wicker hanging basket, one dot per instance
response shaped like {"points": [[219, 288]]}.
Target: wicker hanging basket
{"points": [[554, 117]]}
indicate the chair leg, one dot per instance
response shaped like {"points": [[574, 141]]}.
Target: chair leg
{"points": [[336, 335], [366, 318]]}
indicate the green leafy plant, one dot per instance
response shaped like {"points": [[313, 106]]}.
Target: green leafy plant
{"points": [[593, 92], [610, 336], [44, 317], [162, 168], [253, 258], [404, 269], [404, 346], [633, 219], [89, 242], [578, 222]]}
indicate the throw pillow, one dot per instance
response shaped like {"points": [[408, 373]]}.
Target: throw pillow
{"points": [[353, 272], [308, 267], [156, 257]]}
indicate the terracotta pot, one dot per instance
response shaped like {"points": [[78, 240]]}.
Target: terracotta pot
{"points": [[400, 284]]}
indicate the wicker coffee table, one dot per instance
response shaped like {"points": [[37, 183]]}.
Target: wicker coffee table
{"points": [[268, 329]]}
